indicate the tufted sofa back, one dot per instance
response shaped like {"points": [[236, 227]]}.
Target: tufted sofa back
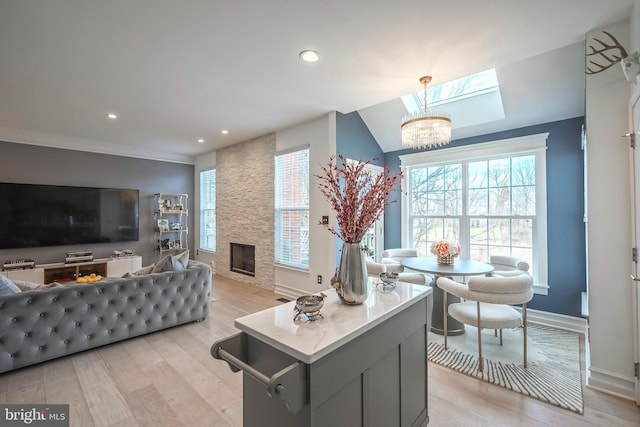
{"points": [[43, 325]]}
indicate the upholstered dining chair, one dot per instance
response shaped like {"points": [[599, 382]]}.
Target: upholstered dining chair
{"points": [[396, 255], [505, 265], [487, 306], [375, 268]]}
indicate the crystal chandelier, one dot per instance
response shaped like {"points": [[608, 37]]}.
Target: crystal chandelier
{"points": [[428, 128]]}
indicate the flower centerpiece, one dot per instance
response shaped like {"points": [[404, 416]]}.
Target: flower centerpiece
{"points": [[358, 196], [446, 251]]}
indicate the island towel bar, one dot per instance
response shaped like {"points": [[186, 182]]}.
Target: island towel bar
{"points": [[288, 384]]}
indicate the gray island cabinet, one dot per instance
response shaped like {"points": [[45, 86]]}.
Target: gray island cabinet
{"points": [[362, 365]]}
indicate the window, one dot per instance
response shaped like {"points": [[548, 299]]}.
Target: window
{"points": [[490, 197], [208, 210], [292, 208]]}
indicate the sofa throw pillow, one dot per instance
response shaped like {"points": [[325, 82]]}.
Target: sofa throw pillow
{"points": [[7, 287], [128, 275], [160, 266], [168, 263], [144, 270], [183, 258], [25, 285]]}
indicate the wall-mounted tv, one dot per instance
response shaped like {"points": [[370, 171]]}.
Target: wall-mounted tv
{"points": [[33, 215]]}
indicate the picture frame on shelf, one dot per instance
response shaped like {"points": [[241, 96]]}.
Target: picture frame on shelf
{"points": [[163, 224]]}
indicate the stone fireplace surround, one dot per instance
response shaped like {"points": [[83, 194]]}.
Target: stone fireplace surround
{"points": [[245, 207]]}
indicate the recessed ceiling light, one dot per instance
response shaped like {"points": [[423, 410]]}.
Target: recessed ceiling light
{"points": [[200, 141], [112, 116], [224, 131], [309, 56]]}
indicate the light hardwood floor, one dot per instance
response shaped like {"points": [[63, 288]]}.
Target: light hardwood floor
{"points": [[169, 379]]}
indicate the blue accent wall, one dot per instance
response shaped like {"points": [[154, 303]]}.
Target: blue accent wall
{"points": [[354, 141], [565, 210]]}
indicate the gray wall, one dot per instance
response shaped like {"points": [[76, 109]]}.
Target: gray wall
{"points": [[30, 164]]}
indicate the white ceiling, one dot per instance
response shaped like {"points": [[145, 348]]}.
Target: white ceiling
{"points": [[176, 71]]}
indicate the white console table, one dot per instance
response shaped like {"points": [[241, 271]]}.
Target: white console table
{"points": [[47, 273], [363, 365]]}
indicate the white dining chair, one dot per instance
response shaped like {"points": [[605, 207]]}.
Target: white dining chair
{"points": [[486, 305]]}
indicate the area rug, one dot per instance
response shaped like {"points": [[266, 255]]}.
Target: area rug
{"points": [[553, 368]]}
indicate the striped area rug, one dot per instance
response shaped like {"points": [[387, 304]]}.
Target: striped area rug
{"points": [[553, 370]]}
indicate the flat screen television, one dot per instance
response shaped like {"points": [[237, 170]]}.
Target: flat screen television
{"points": [[33, 215]]}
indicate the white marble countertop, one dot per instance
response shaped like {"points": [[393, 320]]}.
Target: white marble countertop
{"points": [[309, 341]]}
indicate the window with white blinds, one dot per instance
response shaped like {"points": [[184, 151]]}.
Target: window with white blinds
{"points": [[292, 208], [208, 210]]}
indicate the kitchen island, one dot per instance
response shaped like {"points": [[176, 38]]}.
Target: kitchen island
{"points": [[362, 365]]}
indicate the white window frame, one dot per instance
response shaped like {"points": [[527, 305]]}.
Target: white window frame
{"points": [[278, 262], [201, 216], [531, 144]]}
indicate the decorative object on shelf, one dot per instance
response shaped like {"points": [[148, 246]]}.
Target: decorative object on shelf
{"points": [[89, 278], [78, 256], [124, 253], [165, 204], [428, 128], [358, 197], [18, 264], [308, 306], [176, 226], [163, 224], [445, 251]]}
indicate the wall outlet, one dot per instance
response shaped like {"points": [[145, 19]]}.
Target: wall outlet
{"points": [[325, 219], [319, 279]]}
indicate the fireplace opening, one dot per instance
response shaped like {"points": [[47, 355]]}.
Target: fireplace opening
{"points": [[243, 259]]}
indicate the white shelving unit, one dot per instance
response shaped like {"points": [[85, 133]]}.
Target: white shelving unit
{"points": [[170, 215]]}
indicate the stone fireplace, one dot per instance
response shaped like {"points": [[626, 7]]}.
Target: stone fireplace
{"points": [[243, 259], [245, 203]]}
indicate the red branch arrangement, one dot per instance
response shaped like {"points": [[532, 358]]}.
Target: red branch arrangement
{"points": [[357, 195]]}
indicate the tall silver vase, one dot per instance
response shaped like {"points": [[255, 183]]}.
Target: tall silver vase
{"points": [[352, 283]]}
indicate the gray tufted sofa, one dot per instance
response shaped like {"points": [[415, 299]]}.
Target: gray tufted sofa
{"points": [[37, 326]]}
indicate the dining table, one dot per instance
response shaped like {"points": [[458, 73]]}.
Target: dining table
{"points": [[460, 267]]}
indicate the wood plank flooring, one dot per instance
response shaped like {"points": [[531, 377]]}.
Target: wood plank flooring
{"points": [[169, 379]]}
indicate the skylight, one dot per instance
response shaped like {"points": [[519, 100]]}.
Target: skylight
{"points": [[470, 100]]}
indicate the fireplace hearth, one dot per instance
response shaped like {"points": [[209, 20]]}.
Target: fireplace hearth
{"points": [[243, 259]]}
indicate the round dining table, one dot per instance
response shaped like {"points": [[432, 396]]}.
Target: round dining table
{"points": [[460, 267]]}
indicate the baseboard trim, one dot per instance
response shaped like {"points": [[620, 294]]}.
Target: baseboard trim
{"points": [[287, 291], [559, 321], [611, 383]]}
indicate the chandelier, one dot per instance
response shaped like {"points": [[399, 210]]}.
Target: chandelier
{"points": [[428, 128]]}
